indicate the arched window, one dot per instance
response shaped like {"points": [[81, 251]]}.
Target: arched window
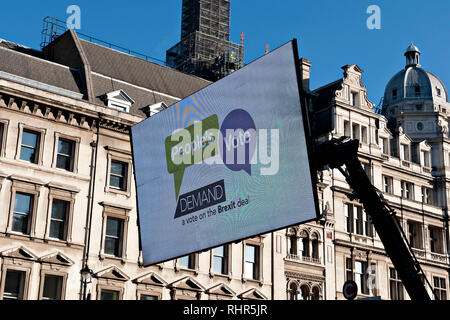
{"points": [[293, 291], [315, 295], [315, 249], [305, 247], [293, 244], [304, 293]]}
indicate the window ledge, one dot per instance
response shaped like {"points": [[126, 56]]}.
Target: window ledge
{"points": [[111, 257], [118, 191], [213, 275], [259, 282], [193, 271]]}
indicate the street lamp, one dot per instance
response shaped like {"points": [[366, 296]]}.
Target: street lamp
{"points": [[86, 278]]}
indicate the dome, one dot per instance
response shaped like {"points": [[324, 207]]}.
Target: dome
{"points": [[414, 83]]}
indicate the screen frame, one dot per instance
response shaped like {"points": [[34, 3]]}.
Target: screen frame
{"points": [[304, 96]]}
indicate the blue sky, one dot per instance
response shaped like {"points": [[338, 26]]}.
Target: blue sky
{"points": [[330, 33]]}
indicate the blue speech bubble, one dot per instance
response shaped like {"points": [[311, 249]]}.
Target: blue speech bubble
{"points": [[239, 140]]}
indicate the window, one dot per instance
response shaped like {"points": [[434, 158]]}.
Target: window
{"points": [[148, 297], [384, 145], [220, 260], [436, 242], [360, 275], [407, 190], [292, 293], [109, 295], [419, 126], [113, 237], [419, 107], [315, 249], [2, 133], [29, 150], [364, 134], [355, 131], [417, 91], [347, 129], [348, 269], [187, 262], [58, 219], [64, 157], [304, 293], [52, 287], [118, 175], [315, 294], [368, 226], [14, 285], [395, 285], [388, 184], [394, 94], [354, 99], [415, 235], [305, 247], [427, 195], [251, 262], [438, 92], [425, 158], [357, 221], [22, 212], [404, 152], [439, 288]]}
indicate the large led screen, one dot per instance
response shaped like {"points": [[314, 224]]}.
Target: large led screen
{"points": [[227, 163]]}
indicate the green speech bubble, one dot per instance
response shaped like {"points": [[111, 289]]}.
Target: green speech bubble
{"points": [[185, 147]]}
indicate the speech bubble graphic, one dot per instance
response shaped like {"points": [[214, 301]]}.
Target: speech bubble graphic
{"points": [[239, 140], [185, 147]]}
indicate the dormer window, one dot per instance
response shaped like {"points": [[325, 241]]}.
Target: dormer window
{"points": [[438, 92], [154, 109], [394, 94], [404, 152], [119, 100], [417, 90]]}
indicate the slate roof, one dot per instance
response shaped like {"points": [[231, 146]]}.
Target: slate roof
{"points": [[147, 83], [139, 72], [30, 67]]}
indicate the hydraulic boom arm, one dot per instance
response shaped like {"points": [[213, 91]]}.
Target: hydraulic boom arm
{"points": [[336, 154]]}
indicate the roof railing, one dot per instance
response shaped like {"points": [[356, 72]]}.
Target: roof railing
{"points": [[53, 28]]}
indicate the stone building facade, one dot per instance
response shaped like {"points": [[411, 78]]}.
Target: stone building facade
{"points": [[67, 193]]}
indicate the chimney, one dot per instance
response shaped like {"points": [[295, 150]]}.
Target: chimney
{"points": [[267, 48], [305, 71]]}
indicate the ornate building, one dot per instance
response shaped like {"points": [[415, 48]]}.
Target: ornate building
{"points": [[67, 193]]}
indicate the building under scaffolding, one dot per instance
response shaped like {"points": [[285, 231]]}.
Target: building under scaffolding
{"points": [[205, 49]]}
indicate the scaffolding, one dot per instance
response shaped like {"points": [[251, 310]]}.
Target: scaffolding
{"points": [[205, 49]]}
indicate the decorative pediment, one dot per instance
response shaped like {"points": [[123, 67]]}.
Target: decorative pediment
{"points": [[252, 294], [119, 100], [152, 279], [57, 258], [424, 145], [222, 290], [19, 253], [112, 273], [187, 283]]}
